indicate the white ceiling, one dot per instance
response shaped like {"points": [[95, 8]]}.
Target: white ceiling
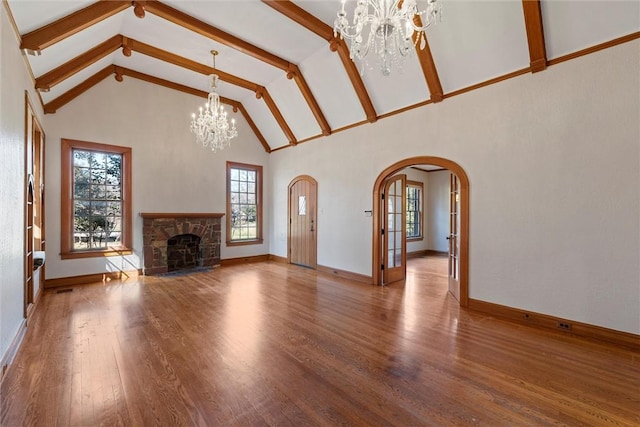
{"points": [[476, 41]]}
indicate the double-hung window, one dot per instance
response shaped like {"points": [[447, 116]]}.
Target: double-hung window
{"points": [[414, 210], [96, 199], [244, 204]]}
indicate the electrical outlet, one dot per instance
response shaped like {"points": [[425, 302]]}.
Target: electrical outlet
{"points": [[565, 326]]}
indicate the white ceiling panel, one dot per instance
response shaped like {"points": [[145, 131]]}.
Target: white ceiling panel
{"points": [[31, 15], [294, 108], [326, 10], [570, 26], [477, 41], [76, 44], [264, 120], [405, 86], [173, 73], [330, 84], [257, 24], [77, 78], [164, 35]]}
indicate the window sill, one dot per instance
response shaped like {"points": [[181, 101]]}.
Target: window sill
{"points": [[244, 242], [414, 239], [96, 254]]}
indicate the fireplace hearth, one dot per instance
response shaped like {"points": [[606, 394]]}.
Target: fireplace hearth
{"points": [[177, 241]]}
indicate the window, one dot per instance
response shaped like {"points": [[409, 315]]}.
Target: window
{"points": [[414, 210], [244, 204], [96, 200]]}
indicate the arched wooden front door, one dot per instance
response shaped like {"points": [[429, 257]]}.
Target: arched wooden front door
{"points": [[461, 269], [303, 221]]}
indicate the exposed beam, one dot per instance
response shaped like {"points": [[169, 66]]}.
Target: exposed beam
{"points": [[264, 94], [193, 24], [52, 106], [426, 62], [189, 64], [237, 105], [80, 62], [260, 91], [302, 17], [50, 34], [253, 126], [356, 79], [535, 35], [311, 100], [189, 22], [316, 26]]}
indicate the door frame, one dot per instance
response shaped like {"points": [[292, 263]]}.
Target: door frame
{"points": [[378, 189], [396, 273], [315, 204]]}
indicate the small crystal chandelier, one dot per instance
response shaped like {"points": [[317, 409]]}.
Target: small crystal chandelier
{"points": [[211, 126], [386, 27]]}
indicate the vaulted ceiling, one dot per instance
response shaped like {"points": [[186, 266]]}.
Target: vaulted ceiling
{"points": [[282, 68]]}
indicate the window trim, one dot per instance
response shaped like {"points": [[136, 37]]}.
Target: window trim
{"points": [[259, 237], [66, 218], [420, 186]]}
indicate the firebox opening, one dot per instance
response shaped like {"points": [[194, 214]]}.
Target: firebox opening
{"points": [[183, 252]]}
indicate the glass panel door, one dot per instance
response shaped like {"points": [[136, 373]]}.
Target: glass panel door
{"points": [[394, 233]]}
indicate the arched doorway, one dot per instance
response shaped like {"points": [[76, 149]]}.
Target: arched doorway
{"points": [[463, 217]]}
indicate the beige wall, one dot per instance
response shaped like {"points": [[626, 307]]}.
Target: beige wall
{"points": [[14, 81], [171, 173], [437, 206], [549, 231]]}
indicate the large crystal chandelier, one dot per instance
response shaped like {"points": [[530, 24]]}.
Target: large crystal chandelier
{"points": [[385, 28], [211, 126]]}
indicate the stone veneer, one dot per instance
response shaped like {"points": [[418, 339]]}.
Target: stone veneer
{"points": [[158, 228]]}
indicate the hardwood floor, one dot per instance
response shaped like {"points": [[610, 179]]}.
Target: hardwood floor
{"points": [[272, 344]]}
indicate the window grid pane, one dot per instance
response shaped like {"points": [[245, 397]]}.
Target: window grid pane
{"points": [[97, 197], [243, 202], [413, 217]]}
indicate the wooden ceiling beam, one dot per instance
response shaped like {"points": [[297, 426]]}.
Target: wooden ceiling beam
{"points": [[189, 64], [189, 22], [260, 91], [264, 94], [356, 80], [535, 35], [311, 100], [237, 105], [52, 106], [316, 26], [37, 40], [302, 17], [253, 126], [80, 62], [426, 63]]}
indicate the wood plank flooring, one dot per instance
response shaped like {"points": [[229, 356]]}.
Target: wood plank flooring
{"points": [[273, 344]]}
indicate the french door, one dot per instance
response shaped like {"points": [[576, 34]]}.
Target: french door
{"points": [[393, 223], [454, 236], [303, 201]]}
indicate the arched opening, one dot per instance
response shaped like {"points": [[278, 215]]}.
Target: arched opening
{"points": [[463, 213]]}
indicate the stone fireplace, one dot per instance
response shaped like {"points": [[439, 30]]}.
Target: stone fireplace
{"points": [[183, 252], [175, 241]]}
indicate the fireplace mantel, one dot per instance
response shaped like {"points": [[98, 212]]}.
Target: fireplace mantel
{"points": [[158, 228], [180, 215]]}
